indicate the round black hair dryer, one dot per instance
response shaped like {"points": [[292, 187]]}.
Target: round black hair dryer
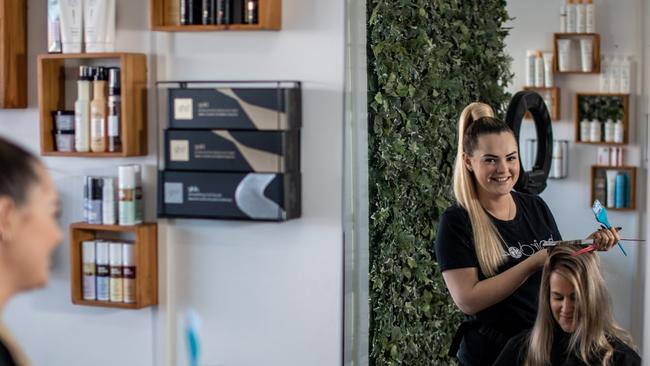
{"points": [[534, 181]]}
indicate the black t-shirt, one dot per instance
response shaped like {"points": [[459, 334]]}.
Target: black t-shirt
{"points": [[5, 356], [532, 224], [514, 353]]}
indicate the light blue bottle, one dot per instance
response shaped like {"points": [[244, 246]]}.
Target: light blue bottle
{"points": [[620, 190]]}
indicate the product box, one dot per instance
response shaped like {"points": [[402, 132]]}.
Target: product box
{"points": [[217, 195], [277, 108], [233, 151]]}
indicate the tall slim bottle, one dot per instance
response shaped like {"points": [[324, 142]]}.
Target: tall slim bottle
{"points": [[114, 110], [82, 110], [98, 112]]}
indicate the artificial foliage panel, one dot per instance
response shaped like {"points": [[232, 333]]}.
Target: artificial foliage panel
{"points": [[427, 59]]}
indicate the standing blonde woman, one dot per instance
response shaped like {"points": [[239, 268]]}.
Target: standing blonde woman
{"points": [[574, 325], [489, 243], [29, 232]]}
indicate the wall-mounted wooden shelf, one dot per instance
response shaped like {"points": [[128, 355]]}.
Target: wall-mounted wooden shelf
{"points": [[13, 54], [625, 119], [554, 91], [133, 78], [165, 17], [146, 262], [595, 54], [598, 171]]}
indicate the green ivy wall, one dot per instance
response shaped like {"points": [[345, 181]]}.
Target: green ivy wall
{"points": [[427, 59]]}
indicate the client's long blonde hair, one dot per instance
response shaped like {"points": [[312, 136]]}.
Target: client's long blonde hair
{"points": [[596, 327]]}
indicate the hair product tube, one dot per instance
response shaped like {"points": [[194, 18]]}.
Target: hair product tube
{"points": [[129, 272], [116, 279], [71, 17], [89, 279], [103, 271]]}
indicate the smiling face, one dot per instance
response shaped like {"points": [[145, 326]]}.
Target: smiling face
{"points": [[563, 302], [494, 163], [31, 233]]}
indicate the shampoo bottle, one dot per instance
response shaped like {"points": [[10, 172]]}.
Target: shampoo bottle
{"points": [[114, 110], [98, 112], [82, 110]]}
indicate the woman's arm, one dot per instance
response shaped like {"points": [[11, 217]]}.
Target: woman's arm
{"points": [[472, 295]]}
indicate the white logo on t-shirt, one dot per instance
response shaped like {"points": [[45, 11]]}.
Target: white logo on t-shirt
{"points": [[524, 250]]}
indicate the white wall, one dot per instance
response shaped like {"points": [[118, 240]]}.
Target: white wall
{"points": [[620, 26], [268, 293]]}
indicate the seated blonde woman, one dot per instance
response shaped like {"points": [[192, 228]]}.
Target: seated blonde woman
{"points": [[574, 324]]}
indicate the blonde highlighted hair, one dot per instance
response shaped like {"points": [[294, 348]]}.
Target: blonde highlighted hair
{"points": [[476, 120], [596, 328]]}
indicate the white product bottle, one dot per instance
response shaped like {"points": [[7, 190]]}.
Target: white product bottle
{"points": [[625, 74], [108, 202], [82, 110], [571, 17], [563, 17], [590, 16], [595, 131], [603, 155], [548, 69], [530, 67], [556, 160], [615, 75], [539, 69], [604, 76], [585, 131], [126, 205], [609, 131], [618, 132], [611, 187], [116, 280], [581, 17]]}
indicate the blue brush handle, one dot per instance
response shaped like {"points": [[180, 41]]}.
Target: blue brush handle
{"points": [[601, 217]]}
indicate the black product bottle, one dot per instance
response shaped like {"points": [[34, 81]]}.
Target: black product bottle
{"points": [[237, 13], [208, 11], [223, 11], [114, 110], [250, 15], [190, 12]]}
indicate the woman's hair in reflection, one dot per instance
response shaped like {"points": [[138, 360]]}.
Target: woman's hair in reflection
{"points": [[595, 326], [17, 171]]}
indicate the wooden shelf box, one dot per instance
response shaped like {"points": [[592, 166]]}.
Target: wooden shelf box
{"points": [[165, 17], [598, 171], [133, 80], [13, 54], [554, 108], [595, 52], [146, 262], [626, 117]]}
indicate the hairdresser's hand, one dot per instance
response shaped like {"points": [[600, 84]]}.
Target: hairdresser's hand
{"points": [[604, 239], [540, 258]]}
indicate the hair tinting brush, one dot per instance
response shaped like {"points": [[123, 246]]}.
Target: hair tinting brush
{"points": [[601, 216], [192, 324]]}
